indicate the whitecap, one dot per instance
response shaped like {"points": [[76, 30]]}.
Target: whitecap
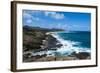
{"points": [[68, 46]]}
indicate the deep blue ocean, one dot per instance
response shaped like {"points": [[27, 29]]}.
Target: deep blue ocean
{"points": [[83, 37], [74, 41]]}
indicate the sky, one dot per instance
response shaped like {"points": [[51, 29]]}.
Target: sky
{"points": [[69, 21]]}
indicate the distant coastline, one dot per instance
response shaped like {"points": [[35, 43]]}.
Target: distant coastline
{"points": [[38, 42]]}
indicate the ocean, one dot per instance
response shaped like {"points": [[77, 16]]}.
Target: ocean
{"points": [[74, 41]]}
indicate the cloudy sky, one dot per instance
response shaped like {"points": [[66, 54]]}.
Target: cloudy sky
{"points": [[71, 21]]}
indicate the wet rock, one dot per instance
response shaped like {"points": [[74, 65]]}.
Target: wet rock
{"points": [[51, 42], [81, 55]]}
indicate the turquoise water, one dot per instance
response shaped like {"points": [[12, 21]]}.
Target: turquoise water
{"points": [[83, 37], [77, 41]]}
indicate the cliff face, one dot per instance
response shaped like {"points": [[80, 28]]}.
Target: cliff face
{"points": [[36, 44], [33, 41], [36, 40]]}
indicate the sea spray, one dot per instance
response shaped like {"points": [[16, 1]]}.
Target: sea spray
{"points": [[68, 46]]}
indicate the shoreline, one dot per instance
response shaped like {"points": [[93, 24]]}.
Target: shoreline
{"points": [[53, 58], [36, 42]]}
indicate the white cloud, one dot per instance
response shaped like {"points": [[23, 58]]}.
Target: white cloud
{"points": [[28, 21], [30, 17], [55, 15], [62, 26], [26, 15]]}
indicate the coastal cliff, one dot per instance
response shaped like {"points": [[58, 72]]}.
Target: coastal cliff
{"points": [[35, 40], [38, 41]]}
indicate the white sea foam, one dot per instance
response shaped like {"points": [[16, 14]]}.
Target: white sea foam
{"points": [[68, 46], [66, 49]]}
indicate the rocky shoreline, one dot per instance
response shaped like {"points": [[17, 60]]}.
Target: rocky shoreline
{"points": [[36, 44]]}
